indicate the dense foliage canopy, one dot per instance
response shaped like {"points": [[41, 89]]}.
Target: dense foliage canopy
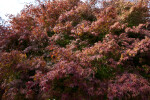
{"points": [[73, 50]]}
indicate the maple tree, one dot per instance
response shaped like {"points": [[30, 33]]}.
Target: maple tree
{"points": [[70, 49]]}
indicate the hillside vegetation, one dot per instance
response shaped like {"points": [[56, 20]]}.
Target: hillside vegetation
{"points": [[73, 50]]}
